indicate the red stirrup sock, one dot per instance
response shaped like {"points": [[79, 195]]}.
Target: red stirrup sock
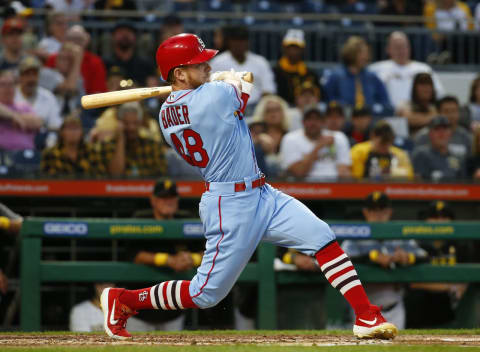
{"points": [[168, 295], [339, 271]]}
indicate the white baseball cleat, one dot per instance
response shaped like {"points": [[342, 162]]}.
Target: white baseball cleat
{"points": [[372, 325]]}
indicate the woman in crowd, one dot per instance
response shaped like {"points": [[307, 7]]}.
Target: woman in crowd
{"points": [[470, 114], [420, 110], [71, 156], [273, 112]]}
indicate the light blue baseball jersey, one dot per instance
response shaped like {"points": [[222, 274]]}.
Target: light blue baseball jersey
{"points": [[203, 126]]}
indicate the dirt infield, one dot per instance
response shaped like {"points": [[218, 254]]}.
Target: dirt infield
{"points": [[38, 340]]}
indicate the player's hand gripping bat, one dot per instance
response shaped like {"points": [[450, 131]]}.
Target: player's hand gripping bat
{"points": [[100, 100]]}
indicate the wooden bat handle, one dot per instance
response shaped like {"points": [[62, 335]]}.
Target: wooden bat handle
{"points": [[100, 100]]}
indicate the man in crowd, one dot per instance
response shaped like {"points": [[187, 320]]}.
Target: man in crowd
{"points": [[124, 37], [92, 67], [18, 123], [314, 152], [42, 101], [291, 71], [398, 72], [378, 158], [131, 154], [388, 254], [358, 129], [12, 49], [435, 161], [241, 59], [461, 140]]}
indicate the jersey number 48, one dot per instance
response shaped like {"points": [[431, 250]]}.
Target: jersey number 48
{"points": [[196, 147]]}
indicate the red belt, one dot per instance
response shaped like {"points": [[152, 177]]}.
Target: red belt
{"points": [[241, 186]]}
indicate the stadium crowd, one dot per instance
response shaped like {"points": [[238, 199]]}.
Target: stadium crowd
{"points": [[359, 119]]}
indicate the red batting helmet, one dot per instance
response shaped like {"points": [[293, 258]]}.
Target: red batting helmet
{"points": [[182, 49]]}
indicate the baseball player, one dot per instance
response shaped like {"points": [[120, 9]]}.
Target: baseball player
{"points": [[202, 120]]}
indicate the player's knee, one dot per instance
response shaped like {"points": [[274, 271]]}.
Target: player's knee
{"points": [[204, 301]]}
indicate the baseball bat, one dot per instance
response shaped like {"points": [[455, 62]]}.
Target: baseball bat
{"points": [[101, 100]]}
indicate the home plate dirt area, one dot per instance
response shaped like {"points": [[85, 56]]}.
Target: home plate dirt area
{"points": [[65, 339]]}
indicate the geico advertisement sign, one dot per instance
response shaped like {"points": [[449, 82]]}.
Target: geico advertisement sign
{"points": [[65, 228], [351, 230]]}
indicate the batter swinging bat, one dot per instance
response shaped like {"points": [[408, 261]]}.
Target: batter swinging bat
{"points": [[101, 100]]}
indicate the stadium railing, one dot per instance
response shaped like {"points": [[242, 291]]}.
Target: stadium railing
{"points": [[35, 271]]}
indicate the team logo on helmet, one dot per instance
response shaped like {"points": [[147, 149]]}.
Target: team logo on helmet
{"points": [[201, 43]]}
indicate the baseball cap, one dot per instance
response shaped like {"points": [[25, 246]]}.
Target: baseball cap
{"points": [[383, 130], [439, 208], [439, 121], [116, 71], [28, 63], [363, 111], [334, 107], [313, 109], [377, 200], [124, 24], [236, 32], [307, 86], [13, 24], [165, 188], [294, 37]]}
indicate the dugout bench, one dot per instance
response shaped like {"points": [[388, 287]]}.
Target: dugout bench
{"points": [[35, 271]]}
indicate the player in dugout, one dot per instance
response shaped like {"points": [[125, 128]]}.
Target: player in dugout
{"points": [[202, 119]]}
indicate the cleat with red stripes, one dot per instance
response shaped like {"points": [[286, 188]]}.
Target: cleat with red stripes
{"points": [[115, 313], [372, 325]]}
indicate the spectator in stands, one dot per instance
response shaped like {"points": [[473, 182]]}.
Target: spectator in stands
{"points": [[131, 154], [68, 6], [72, 156], [13, 29], [434, 161], [461, 139], [107, 124], [353, 85], [124, 37], [115, 5], [273, 111], [420, 110], [92, 67], [446, 16], [314, 152], [473, 163], [291, 71], [387, 254], [335, 117], [470, 113], [263, 145], [433, 304], [116, 79], [177, 256], [57, 26], [18, 122], [398, 73], [306, 95], [87, 316], [399, 8], [171, 25], [69, 92], [240, 59], [358, 130], [42, 101], [378, 158]]}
